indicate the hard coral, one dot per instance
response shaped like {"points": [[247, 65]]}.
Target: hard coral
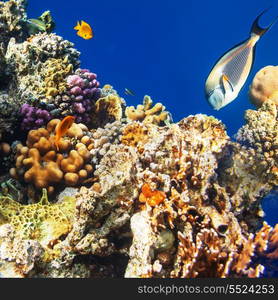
{"points": [[11, 15], [265, 86], [148, 114], [43, 166], [33, 117], [41, 221], [108, 110], [54, 72], [27, 63]]}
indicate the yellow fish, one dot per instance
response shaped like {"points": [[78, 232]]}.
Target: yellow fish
{"points": [[84, 30], [230, 72]]}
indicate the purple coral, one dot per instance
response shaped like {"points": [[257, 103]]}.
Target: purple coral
{"points": [[33, 117], [82, 94]]}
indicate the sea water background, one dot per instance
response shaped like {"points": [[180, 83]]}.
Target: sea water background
{"points": [[166, 49]]}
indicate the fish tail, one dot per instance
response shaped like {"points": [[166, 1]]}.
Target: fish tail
{"points": [[257, 29]]}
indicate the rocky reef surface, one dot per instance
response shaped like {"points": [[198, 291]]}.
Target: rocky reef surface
{"points": [[128, 193]]}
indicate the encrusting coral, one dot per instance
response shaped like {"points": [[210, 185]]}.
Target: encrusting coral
{"points": [[131, 193], [34, 229]]}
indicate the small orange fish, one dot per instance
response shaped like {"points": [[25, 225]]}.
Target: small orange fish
{"points": [[62, 128], [84, 30]]}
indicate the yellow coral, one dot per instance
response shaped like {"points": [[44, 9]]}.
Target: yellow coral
{"points": [[54, 72], [265, 86], [41, 221], [109, 109], [135, 135], [147, 113]]}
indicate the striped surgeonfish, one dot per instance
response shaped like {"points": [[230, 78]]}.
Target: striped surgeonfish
{"points": [[229, 74]]}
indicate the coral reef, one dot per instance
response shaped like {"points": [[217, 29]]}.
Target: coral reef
{"points": [[265, 86], [125, 191]]}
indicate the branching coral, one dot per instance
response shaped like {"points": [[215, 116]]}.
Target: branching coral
{"points": [[147, 113], [40, 164]]}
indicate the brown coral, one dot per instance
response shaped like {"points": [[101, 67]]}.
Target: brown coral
{"points": [[265, 86], [42, 165], [108, 109]]}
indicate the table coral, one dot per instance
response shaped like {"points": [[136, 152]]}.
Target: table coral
{"points": [[40, 164]]}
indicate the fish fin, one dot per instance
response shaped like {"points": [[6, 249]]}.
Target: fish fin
{"points": [[77, 27], [83, 23], [79, 33], [226, 83], [57, 146], [257, 29]]}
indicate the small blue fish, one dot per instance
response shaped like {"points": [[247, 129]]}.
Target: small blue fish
{"points": [[129, 92], [231, 71]]}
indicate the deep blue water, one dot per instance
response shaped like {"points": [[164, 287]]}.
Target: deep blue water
{"points": [[166, 49]]}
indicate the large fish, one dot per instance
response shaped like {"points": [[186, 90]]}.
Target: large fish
{"points": [[231, 71]]}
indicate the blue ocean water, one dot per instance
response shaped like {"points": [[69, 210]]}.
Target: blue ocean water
{"points": [[166, 49]]}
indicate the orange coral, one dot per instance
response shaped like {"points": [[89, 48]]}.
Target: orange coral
{"points": [[153, 198], [40, 164], [135, 135]]}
